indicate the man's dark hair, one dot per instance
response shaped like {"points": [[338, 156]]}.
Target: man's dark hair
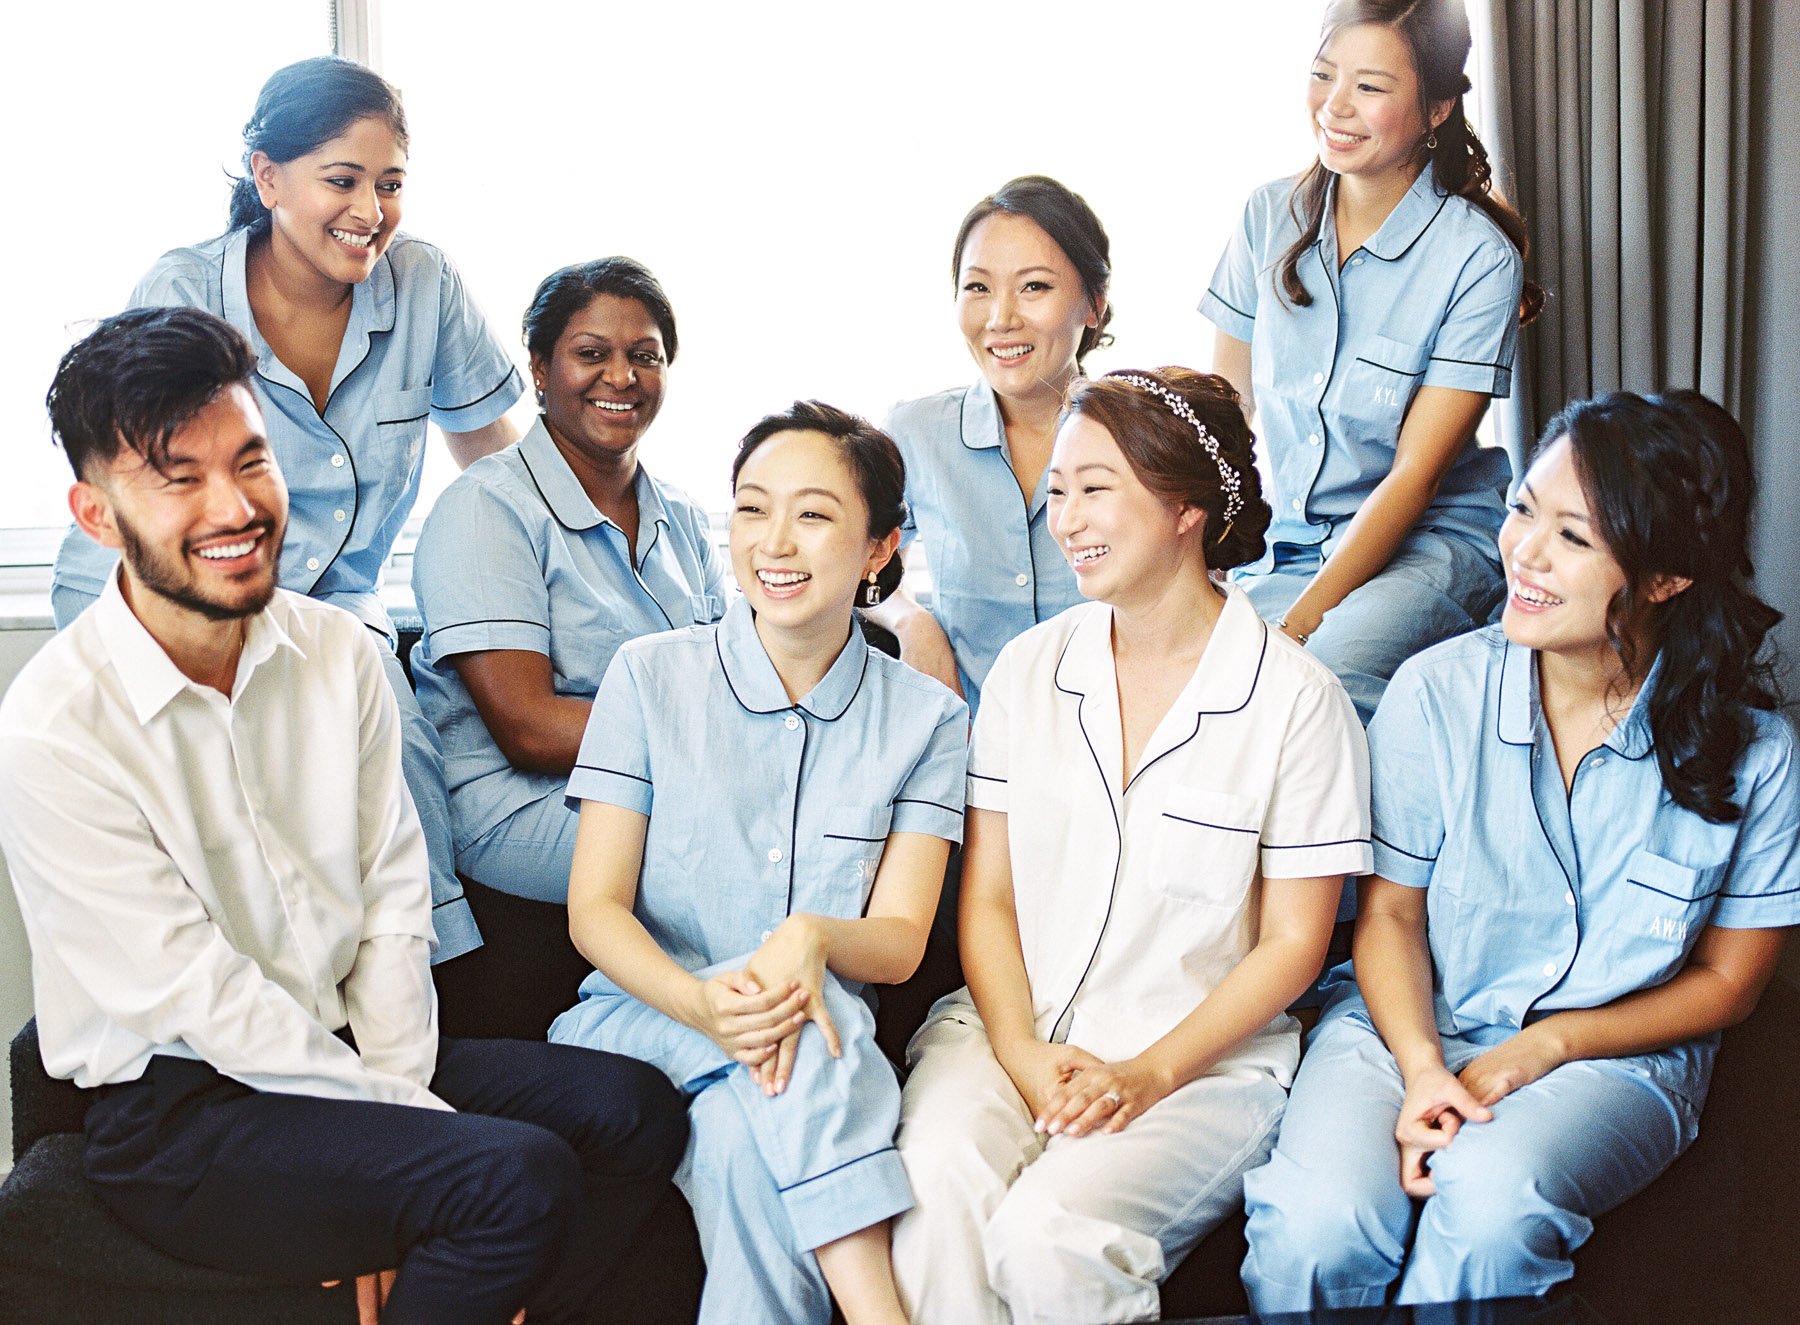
{"points": [[137, 379]]}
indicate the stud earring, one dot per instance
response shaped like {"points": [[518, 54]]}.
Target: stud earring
{"points": [[539, 384], [1431, 141], [871, 594]]}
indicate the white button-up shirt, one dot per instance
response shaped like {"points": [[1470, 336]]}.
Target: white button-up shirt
{"points": [[229, 879], [1135, 901]]}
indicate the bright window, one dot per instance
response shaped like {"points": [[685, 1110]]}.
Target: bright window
{"points": [[125, 117]]}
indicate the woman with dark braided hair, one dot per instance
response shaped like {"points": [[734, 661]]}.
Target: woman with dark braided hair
{"points": [[362, 334], [1164, 795], [1366, 311], [1587, 859]]}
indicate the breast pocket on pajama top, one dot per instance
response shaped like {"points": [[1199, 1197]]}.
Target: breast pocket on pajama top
{"points": [[1208, 845], [850, 851], [401, 417], [1381, 379], [1671, 901]]}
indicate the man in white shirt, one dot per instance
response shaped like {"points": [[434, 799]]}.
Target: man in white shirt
{"points": [[226, 892]]}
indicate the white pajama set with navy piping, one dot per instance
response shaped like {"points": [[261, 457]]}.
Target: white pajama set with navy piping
{"points": [[415, 349], [515, 555], [1538, 900], [1430, 299], [1133, 903], [760, 807]]}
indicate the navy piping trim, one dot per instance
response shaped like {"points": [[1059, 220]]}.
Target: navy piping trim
{"points": [[544, 497], [1697, 897], [414, 419], [511, 373], [1473, 363], [1429, 860], [852, 837], [1443, 202], [1500, 708], [617, 772], [1304, 846], [794, 823], [828, 1172], [1779, 892], [349, 456], [1233, 307], [1201, 823], [1397, 372], [487, 621], [719, 651], [448, 901], [913, 800], [984, 777]]}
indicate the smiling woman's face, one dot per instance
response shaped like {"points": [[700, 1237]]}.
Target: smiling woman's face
{"points": [[603, 382]]}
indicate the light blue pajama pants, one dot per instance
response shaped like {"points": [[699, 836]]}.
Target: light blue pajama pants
{"points": [[528, 853], [1330, 1225], [769, 1179]]}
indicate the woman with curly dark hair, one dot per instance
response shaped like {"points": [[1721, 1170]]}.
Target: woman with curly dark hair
{"points": [[1587, 856]]}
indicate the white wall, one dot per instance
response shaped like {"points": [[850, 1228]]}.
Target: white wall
{"points": [[16, 645]]}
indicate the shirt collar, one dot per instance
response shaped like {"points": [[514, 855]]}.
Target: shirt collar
{"points": [[1222, 683], [562, 491], [982, 428], [1518, 718], [372, 302], [755, 684], [148, 676], [1411, 216]]}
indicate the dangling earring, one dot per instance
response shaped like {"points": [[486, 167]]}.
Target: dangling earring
{"points": [[871, 594], [1431, 141]]}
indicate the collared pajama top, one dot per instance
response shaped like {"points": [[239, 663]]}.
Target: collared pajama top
{"points": [[515, 555], [1431, 299], [415, 349], [995, 567], [1539, 900], [1134, 901], [759, 806], [227, 878]]}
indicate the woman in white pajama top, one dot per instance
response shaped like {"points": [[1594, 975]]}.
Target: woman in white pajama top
{"points": [[1165, 794]]}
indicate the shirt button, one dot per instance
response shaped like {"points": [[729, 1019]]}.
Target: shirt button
{"points": [[1312, 439], [774, 855], [1318, 378], [1021, 580], [312, 563], [767, 934], [1295, 503], [1569, 899], [338, 516], [337, 461], [1549, 968], [1356, 262], [790, 722], [1599, 760]]}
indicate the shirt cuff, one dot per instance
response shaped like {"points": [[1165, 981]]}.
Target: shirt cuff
{"points": [[1402, 866], [479, 636], [608, 785], [1231, 321], [1313, 860], [929, 818], [1765, 911], [1487, 379], [986, 792]]}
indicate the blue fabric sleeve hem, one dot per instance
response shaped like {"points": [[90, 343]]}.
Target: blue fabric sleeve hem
{"points": [[1393, 864], [931, 820], [1227, 319], [478, 636], [610, 787], [1483, 379]]}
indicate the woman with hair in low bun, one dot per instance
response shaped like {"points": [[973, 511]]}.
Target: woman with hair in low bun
{"points": [[1164, 796], [534, 566], [766, 807], [1587, 861], [1366, 311], [362, 335]]}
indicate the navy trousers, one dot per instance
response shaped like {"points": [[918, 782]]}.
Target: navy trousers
{"points": [[524, 1197]]}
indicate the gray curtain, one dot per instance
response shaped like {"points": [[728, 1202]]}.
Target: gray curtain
{"points": [[1622, 132]]}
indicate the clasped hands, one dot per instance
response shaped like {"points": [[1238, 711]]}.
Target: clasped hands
{"points": [[1438, 1102], [1070, 1092], [756, 1014]]}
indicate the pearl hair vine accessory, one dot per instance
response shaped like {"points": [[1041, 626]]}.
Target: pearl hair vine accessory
{"points": [[1228, 477]]}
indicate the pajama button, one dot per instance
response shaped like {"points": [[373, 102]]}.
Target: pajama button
{"points": [[1569, 898], [790, 722], [312, 563], [1312, 439], [338, 515], [337, 461], [1318, 378], [774, 855], [1021, 580], [1295, 503], [767, 934], [1549, 968]]}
